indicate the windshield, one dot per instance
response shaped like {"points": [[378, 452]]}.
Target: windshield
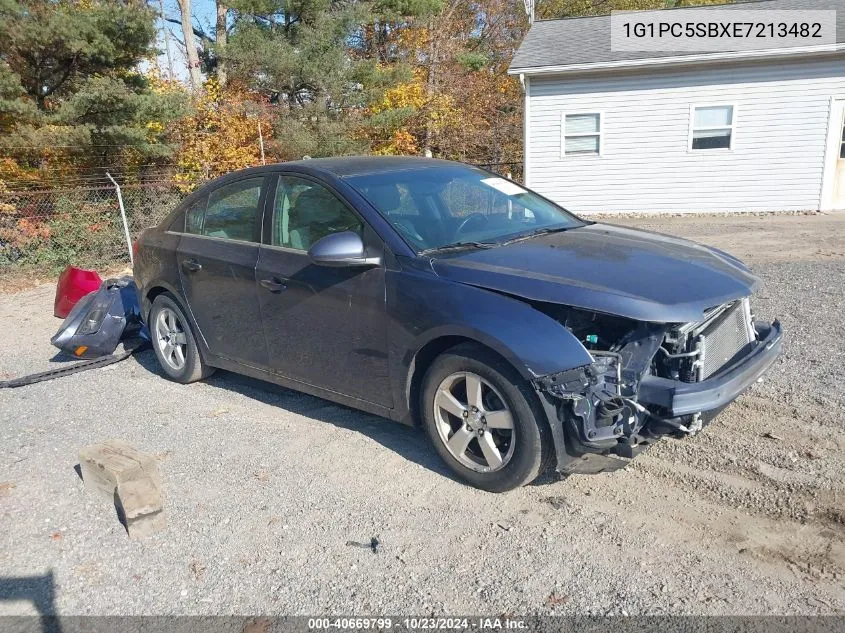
{"points": [[454, 206]]}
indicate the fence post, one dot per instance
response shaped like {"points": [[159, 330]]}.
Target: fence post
{"points": [[123, 216], [261, 143]]}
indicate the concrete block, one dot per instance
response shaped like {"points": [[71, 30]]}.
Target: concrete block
{"points": [[138, 497], [140, 503], [146, 525], [104, 466]]}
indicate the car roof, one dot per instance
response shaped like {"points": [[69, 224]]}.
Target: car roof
{"points": [[343, 166]]}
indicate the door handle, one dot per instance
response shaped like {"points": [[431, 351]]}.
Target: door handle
{"points": [[191, 266], [273, 285]]}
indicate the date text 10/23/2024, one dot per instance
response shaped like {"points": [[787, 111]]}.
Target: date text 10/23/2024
{"points": [[418, 624]]}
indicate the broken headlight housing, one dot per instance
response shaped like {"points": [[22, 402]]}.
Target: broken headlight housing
{"points": [[93, 319]]}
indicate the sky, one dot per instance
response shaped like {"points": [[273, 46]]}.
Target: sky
{"points": [[204, 16]]}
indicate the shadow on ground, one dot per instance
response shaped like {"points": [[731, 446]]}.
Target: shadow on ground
{"points": [[411, 443], [38, 590]]}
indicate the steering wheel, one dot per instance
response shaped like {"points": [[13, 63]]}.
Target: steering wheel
{"points": [[470, 218]]}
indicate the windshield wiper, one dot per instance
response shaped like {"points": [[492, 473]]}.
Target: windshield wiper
{"points": [[472, 244], [536, 232], [458, 245]]}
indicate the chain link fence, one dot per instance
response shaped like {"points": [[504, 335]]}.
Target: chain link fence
{"points": [[51, 229], [81, 226]]}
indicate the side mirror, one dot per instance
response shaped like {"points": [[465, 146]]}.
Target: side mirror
{"points": [[341, 249]]}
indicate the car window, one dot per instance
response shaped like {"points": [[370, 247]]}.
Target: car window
{"points": [[232, 211], [490, 197], [305, 211], [193, 217], [400, 204], [394, 198], [439, 206]]}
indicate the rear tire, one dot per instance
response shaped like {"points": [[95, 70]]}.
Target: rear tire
{"points": [[484, 420], [174, 342]]}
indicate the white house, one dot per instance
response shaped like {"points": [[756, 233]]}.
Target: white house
{"points": [[760, 130]]}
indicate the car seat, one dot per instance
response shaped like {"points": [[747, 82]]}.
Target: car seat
{"points": [[315, 214]]}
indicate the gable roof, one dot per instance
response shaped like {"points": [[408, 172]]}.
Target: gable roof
{"points": [[583, 44]]}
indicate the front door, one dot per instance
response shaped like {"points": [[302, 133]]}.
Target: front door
{"points": [[216, 258], [834, 184], [324, 326]]}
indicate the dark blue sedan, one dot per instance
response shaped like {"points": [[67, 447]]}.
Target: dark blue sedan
{"points": [[434, 293]]}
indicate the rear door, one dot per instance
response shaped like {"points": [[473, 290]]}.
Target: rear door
{"points": [[324, 326], [216, 260]]}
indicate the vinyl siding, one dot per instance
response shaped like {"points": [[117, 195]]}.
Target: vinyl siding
{"points": [[776, 163]]}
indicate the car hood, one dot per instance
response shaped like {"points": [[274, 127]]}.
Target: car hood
{"points": [[627, 272]]}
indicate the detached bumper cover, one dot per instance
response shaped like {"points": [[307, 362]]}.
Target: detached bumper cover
{"points": [[98, 322], [684, 398]]}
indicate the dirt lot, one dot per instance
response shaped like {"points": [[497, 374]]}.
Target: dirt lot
{"points": [[266, 488]]}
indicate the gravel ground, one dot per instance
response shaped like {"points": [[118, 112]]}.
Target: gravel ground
{"points": [[265, 488]]}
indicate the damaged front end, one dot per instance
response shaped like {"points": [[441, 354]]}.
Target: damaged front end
{"points": [[648, 380]]}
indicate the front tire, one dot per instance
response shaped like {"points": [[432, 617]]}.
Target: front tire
{"points": [[174, 343], [483, 419]]}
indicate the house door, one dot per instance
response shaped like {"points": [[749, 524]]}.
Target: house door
{"points": [[834, 184]]}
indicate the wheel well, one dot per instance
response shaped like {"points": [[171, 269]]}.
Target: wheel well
{"points": [[151, 296], [423, 360]]}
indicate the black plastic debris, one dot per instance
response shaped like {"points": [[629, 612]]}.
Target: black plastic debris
{"points": [[374, 544]]}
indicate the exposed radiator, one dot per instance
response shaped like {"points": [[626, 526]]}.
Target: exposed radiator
{"points": [[727, 338]]}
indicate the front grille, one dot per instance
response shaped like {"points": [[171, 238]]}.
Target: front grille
{"points": [[728, 338]]}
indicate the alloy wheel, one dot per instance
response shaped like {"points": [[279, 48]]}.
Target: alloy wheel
{"points": [[170, 338], [473, 422]]}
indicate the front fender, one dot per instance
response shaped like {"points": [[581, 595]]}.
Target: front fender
{"points": [[424, 307]]}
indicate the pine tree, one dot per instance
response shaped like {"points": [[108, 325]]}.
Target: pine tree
{"points": [[70, 88]]}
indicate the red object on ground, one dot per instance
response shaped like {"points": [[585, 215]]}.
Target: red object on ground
{"points": [[74, 283]]}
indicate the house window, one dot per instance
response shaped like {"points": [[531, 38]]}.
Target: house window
{"points": [[582, 134], [712, 127]]}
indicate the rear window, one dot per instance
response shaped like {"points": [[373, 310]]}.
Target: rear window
{"points": [[178, 225], [191, 222], [229, 212], [232, 211]]}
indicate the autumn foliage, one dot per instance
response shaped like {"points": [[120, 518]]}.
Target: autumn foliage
{"points": [[220, 135], [83, 88]]}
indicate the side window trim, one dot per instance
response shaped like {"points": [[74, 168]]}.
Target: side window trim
{"points": [[271, 185], [258, 229], [270, 208]]}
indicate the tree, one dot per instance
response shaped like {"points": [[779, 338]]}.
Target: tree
{"points": [[221, 39], [551, 9], [220, 135], [52, 47], [323, 77], [293, 54], [460, 102], [191, 53], [70, 91]]}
